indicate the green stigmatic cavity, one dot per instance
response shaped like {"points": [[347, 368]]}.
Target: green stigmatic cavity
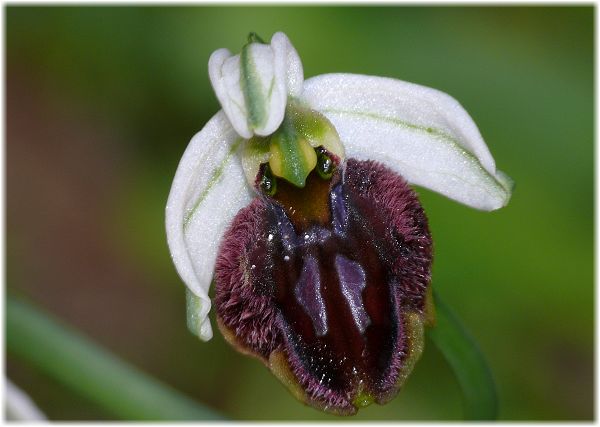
{"points": [[295, 149], [292, 157]]}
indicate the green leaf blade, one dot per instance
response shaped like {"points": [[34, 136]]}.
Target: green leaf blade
{"points": [[93, 372], [468, 363]]}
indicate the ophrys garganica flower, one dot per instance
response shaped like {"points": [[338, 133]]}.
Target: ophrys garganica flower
{"points": [[294, 200]]}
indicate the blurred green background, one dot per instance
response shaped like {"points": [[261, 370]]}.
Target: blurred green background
{"points": [[101, 102]]}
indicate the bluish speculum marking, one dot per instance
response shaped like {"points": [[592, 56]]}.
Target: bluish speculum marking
{"points": [[308, 294], [339, 214], [353, 281]]}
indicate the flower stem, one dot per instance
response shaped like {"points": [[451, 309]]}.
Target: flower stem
{"points": [[466, 360], [91, 371]]}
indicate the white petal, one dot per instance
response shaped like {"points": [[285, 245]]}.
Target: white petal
{"points": [[286, 54], [421, 133], [208, 190], [19, 406], [224, 74]]}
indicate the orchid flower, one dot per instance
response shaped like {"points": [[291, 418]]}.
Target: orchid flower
{"points": [[294, 200]]}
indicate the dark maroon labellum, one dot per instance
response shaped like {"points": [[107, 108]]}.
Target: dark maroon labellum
{"points": [[327, 284]]}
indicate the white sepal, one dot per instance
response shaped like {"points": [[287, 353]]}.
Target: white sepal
{"points": [[208, 190], [253, 86], [423, 134]]}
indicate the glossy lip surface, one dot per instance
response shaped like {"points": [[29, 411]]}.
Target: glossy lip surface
{"points": [[330, 277]]}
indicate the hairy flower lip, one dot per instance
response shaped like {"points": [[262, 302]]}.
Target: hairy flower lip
{"points": [[422, 127], [253, 322]]}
